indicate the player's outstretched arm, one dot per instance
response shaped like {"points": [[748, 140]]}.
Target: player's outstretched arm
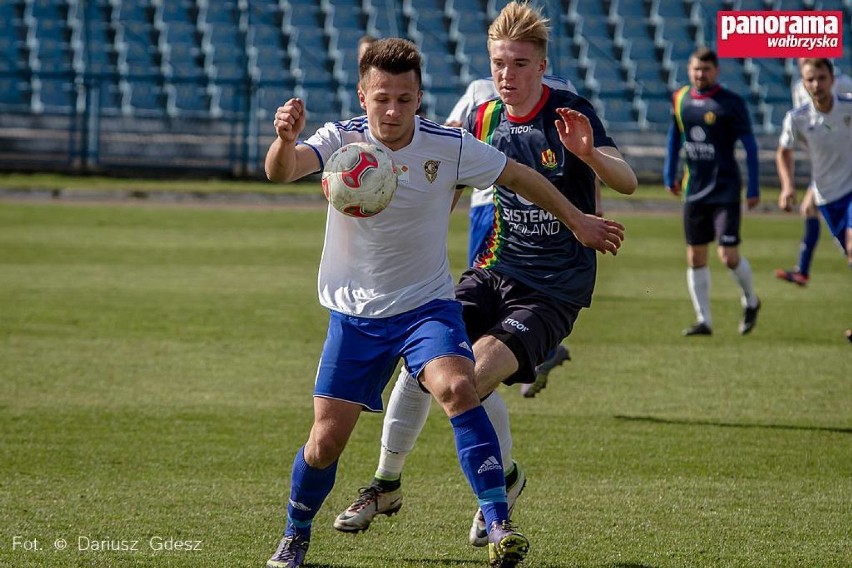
{"points": [[285, 161], [603, 235], [785, 163], [575, 132]]}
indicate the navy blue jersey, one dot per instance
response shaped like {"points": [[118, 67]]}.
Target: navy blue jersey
{"points": [[709, 125], [526, 242]]}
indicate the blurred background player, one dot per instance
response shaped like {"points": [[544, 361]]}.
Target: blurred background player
{"points": [[800, 274], [481, 216], [363, 43], [823, 126], [707, 121], [526, 290]]}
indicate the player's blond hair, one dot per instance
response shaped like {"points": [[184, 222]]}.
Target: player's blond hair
{"points": [[518, 21]]}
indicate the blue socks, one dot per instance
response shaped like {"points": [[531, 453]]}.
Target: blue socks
{"points": [[809, 242], [479, 455], [309, 487]]}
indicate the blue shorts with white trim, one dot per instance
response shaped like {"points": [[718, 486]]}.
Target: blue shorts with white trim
{"points": [[361, 354]]}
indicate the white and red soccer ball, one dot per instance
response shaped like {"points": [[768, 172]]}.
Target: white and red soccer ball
{"points": [[359, 179]]}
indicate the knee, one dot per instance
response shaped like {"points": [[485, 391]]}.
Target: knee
{"points": [[323, 450], [456, 394]]}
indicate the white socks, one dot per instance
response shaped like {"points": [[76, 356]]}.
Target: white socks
{"points": [[497, 412], [698, 282], [408, 408], [742, 276]]}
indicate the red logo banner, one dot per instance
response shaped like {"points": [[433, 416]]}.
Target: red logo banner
{"points": [[779, 34]]}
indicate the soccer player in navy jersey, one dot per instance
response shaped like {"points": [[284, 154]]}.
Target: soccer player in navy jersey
{"points": [[386, 283], [707, 122], [481, 215], [525, 292]]}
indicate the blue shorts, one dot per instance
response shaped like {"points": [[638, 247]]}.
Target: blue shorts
{"points": [[838, 217], [481, 224], [361, 354]]}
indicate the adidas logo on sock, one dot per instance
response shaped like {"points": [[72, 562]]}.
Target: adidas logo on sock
{"points": [[299, 506], [465, 346], [488, 465]]}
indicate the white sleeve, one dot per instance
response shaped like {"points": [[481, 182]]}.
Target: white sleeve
{"points": [[463, 106], [325, 142], [480, 164], [789, 134]]}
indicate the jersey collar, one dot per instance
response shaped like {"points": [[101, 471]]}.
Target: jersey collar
{"points": [[545, 93], [696, 94]]}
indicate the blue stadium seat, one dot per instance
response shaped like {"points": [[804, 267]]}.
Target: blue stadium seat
{"points": [[147, 98], [304, 15], [14, 93], [191, 99], [618, 111], [58, 94], [659, 111]]}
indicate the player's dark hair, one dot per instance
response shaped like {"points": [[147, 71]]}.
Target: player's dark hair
{"points": [[391, 55], [818, 62], [706, 55]]}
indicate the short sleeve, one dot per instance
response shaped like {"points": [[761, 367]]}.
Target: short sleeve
{"points": [[480, 164], [789, 132]]}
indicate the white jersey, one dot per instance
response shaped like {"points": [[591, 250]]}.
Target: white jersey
{"points": [[827, 138], [479, 91], [397, 261]]}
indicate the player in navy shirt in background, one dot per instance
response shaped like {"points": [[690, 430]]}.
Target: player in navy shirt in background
{"points": [[707, 122]]}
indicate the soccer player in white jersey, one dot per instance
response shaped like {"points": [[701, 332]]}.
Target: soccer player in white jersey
{"points": [[481, 216], [800, 274], [823, 126], [387, 285]]}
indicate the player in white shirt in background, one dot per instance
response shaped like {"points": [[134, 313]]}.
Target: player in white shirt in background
{"points": [[481, 217], [800, 274], [823, 127]]}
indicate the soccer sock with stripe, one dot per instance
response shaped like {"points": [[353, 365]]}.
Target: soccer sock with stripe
{"points": [[698, 282], [479, 456], [309, 487], [742, 276]]}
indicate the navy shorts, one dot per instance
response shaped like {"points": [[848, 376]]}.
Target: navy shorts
{"points": [[529, 322], [705, 222], [360, 354]]}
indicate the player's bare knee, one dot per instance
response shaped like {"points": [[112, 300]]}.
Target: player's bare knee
{"points": [[322, 451]]}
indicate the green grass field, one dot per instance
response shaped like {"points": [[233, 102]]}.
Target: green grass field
{"points": [[156, 366]]}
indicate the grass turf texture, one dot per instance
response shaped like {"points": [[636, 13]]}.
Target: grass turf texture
{"points": [[157, 365]]}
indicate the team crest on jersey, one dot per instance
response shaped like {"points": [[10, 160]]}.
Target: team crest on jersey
{"points": [[709, 117], [430, 168], [548, 159]]}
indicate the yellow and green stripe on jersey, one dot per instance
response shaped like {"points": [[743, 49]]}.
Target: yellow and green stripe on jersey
{"points": [[677, 103]]}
